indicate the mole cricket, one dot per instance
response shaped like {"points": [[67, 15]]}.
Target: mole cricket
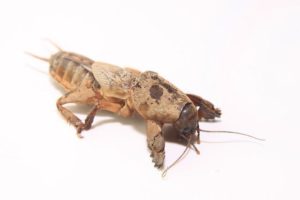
{"points": [[124, 91]]}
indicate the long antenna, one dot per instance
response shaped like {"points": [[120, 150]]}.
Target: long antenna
{"points": [[178, 159], [232, 132]]}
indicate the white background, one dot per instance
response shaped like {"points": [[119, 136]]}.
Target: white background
{"points": [[242, 55]]}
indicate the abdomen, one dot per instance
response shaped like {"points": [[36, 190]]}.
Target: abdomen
{"points": [[70, 69]]}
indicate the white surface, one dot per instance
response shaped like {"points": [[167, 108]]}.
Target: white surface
{"points": [[241, 55]]}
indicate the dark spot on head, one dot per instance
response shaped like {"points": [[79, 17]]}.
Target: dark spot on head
{"points": [[154, 77], [156, 92], [138, 85], [169, 87]]}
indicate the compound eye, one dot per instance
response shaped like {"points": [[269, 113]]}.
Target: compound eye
{"points": [[187, 129], [188, 120]]}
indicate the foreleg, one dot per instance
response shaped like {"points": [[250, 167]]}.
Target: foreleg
{"points": [[156, 143], [206, 109]]}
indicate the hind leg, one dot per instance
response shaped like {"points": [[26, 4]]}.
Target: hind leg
{"points": [[79, 95], [88, 121], [84, 95]]}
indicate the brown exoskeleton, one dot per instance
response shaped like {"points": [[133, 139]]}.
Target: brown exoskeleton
{"points": [[124, 91]]}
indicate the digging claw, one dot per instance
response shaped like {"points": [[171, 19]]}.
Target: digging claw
{"points": [[158, 159]]}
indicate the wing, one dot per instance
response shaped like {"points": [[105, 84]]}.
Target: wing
{"points": [[114, 81]]}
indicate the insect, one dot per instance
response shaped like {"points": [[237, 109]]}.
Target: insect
{"points": [[125, 91]]}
